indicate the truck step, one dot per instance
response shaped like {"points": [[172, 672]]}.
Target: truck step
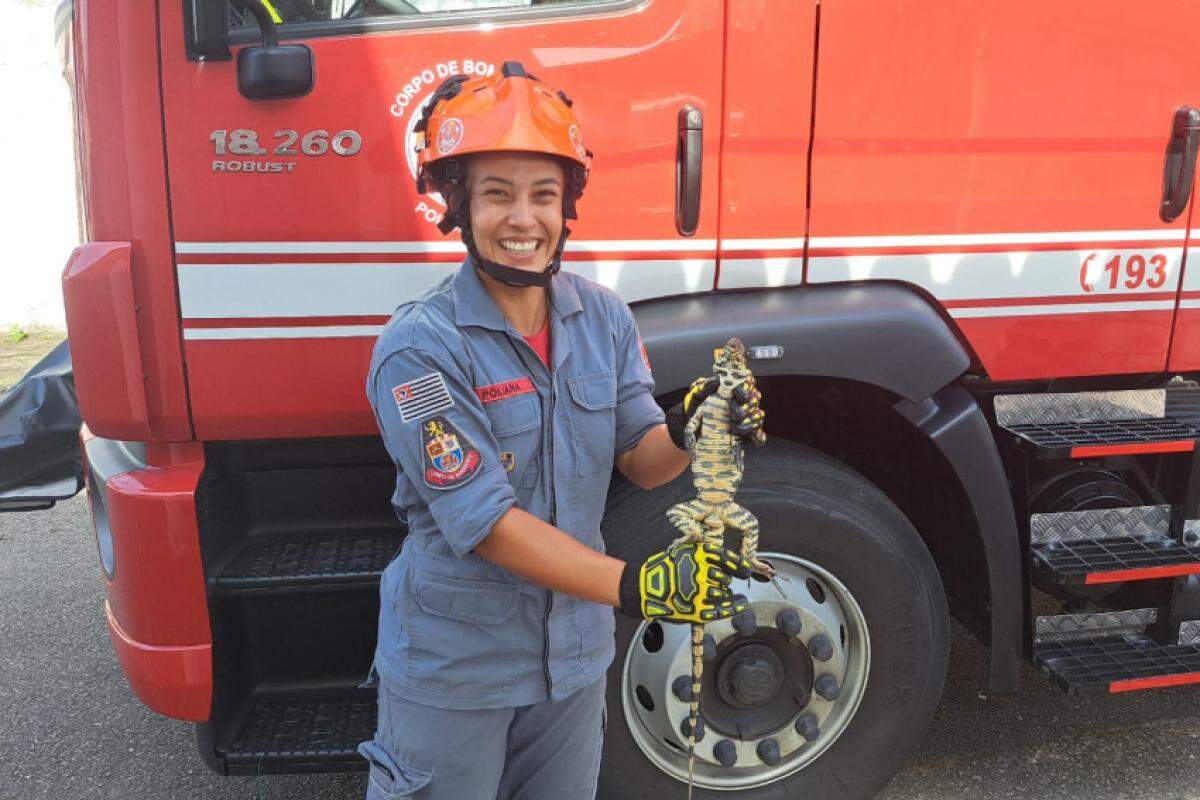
{"points": [[301, 563], [1098, 561], [296, 731], [1094, 625], [1095, 424], [1111, 545], [1116, 664]]}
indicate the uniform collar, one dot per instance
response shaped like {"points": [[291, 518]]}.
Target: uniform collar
{"points": [[474, 306]]}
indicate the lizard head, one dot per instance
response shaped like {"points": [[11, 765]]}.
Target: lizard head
{"points": [[730, 366]]}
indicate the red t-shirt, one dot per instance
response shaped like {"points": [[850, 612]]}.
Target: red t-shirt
{"points": [[540, 342]]}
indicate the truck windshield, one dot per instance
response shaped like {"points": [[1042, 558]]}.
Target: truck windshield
{"points": [[332, 10]]}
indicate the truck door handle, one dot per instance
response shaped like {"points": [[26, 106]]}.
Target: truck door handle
{"points": [[689, 158], [1179, 167]]}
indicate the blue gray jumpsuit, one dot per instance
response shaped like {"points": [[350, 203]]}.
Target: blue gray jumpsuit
{"points": [[492, 686]]}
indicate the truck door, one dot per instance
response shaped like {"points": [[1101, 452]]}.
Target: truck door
{"points": [[1006, 159], [296, 223], [769, 50]]}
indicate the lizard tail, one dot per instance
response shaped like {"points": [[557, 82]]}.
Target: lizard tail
{"points": [[694, 710]]}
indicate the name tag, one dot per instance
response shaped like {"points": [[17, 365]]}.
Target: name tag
{"points": [[504, 390]]}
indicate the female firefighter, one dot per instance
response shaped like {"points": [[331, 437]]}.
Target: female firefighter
{"points": [[505, 395]]}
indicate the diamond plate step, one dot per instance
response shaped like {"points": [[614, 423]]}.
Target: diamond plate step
{"points": [[1093, 424], [1098, 561], [330, 560], [1116, 664], [1094, 625], [297, 732], [1110, 545]]}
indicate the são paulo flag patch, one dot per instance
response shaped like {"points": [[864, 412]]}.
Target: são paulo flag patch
{"points": [[422, 397], [450, 458]]}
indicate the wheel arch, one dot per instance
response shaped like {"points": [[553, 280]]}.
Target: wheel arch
{"points": [[888, 350]]}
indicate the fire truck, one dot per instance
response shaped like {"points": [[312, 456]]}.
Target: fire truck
{"points": [[954, 237]]}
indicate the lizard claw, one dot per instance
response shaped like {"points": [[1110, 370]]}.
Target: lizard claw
{"points": [[762, 568]]}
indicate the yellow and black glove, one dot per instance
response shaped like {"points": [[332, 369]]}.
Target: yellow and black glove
{"points": [[685, 583], [679, 414], [746, 417]]}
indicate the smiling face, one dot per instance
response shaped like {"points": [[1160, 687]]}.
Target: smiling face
{"points": [[516, 208]]}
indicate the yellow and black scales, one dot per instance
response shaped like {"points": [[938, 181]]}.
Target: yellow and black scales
{"points": [[718, 460]]}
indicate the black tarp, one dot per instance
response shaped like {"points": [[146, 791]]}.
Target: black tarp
{"points": [[39, 436]]}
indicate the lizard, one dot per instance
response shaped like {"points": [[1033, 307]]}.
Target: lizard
{"points": [[718, 461]]}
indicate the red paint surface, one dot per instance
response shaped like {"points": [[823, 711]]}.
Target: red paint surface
{"points": [[1062, 345], [124, 191], [1145, 573], [277, 388], [157, 593], [105, 356], [1134, 684], [952, 135], [1137, 448], [769, 51], [174, 681], [629, 72], [1185, 348]]}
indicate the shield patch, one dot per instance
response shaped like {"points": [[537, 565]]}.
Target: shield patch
{"points": [[450, 458]]}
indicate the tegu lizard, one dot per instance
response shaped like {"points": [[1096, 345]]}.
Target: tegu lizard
{"points": [[718, 460]]}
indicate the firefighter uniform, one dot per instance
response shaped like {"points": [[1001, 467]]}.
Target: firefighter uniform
{"points": [[477, 424]]}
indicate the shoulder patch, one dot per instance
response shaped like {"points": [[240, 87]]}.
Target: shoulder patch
{"points": [[450, 458], [645, 355], [422, 397]]}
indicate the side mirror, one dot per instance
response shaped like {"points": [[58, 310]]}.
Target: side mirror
{"points": [[273, 71]]}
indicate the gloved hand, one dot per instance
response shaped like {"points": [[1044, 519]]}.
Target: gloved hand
{"points": [[745, 414], [744, 411], [679, 414], [685, 583]]}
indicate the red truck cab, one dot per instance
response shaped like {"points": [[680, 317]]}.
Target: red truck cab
{"points": [[958, 237]]}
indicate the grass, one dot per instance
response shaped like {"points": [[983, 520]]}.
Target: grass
{"points": [[22, 346]]}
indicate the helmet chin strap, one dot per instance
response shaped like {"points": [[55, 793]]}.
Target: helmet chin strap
{"points": [[512, 276], [457, 216]]}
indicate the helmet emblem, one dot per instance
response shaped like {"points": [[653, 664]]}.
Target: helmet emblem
{"points": [[450, 134], [577, 140]]}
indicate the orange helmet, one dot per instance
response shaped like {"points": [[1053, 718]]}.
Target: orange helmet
{"points": [[510, 111]]}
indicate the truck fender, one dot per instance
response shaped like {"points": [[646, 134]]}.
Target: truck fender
{"points": [[881, 334]]}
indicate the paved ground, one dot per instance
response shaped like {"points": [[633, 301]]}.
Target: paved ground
{"points": [[69, 727]]}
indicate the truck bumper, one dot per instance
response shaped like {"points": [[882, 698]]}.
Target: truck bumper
{"points": [[175, 681], [143, 506]]}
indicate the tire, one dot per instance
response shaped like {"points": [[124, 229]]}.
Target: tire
{"points": [[815, 508]]}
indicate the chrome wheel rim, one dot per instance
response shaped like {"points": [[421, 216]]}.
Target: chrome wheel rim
{"points": [[659, 653]]}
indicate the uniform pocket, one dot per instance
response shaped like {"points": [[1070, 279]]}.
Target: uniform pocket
{"points": [[465, 600], [458, 642], [516, 423], [389, 779], [594, 419]]}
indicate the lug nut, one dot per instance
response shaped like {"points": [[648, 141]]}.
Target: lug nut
{"points": [[821, 648], [725, 752], [807, 727], [710, 648], [768, 751], [827, 687], [685, 728], [788, 622], [681, 687], [745, 623]]}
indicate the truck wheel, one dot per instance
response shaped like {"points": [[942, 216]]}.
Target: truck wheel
{"points": [[826, 689]]}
